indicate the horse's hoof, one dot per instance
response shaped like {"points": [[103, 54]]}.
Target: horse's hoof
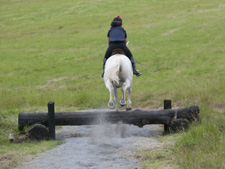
{"points": [[128, 109], [122, 102], [111, 105]]}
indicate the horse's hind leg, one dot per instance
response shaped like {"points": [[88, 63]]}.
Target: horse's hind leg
{"points": [[123, 101], [110, 104], [116, 98], [129, 99], [127, 87]]}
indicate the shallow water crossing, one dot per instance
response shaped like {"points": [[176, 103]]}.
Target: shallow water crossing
{"points": [[104, 146]]}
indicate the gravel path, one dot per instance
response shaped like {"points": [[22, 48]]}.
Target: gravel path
{"points": [[105, 146]]}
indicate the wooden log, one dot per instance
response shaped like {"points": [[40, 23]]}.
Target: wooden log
{"points": [[135, 117], [177, 125], [38, 132]]}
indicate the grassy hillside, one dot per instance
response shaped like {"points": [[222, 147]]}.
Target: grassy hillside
{"points": [[53, 50]]}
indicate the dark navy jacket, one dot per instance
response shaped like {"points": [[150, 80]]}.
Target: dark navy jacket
{"points": [[117, 34]]}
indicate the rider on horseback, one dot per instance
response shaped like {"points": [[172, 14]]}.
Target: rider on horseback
{"points": [[117, 38]]}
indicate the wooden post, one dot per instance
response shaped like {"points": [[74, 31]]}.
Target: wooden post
{"points": [[167, 105], [51, 117]]}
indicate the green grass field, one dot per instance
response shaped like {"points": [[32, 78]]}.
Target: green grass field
{"points": [[53, 51]]}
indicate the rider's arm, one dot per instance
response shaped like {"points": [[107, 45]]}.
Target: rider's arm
{"points": [[126, 40]]}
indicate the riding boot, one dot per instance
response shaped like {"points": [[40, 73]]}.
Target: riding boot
{"points": [[135, 72], [103, 67]]}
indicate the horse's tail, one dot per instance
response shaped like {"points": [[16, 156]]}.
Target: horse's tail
{"points": [[113, 74]]}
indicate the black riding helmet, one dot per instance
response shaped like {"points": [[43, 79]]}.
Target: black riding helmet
{"points": [[117, 19]]}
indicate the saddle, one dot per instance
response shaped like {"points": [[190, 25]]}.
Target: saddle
{"points": [[118, 51]]}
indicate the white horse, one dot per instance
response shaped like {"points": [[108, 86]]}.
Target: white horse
{"points": [[118, 73]]}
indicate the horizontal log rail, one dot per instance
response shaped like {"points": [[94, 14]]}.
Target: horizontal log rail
{"points": [[90, 117]]}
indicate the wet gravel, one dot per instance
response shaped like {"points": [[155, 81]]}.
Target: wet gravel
{"points": [[104, 146]]}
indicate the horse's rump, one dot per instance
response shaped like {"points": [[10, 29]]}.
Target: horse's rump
{"points": [[118, 68]]}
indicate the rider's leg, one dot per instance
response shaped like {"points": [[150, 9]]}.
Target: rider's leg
{"points": [[103, 67], [107, 55], [130, 56], [134, 67]]}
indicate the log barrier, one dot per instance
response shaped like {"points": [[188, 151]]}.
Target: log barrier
{"points": [[137, 117]]}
